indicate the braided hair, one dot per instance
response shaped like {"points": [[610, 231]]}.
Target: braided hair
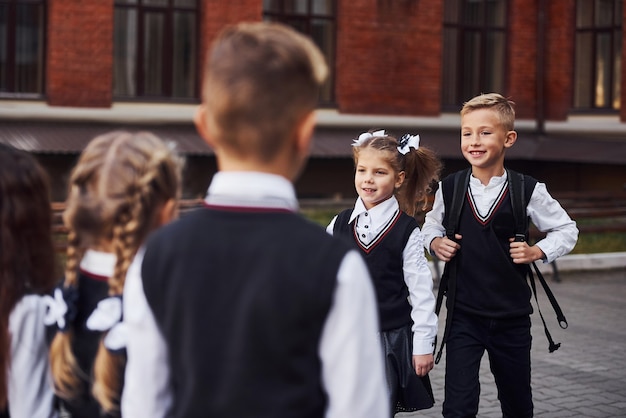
{"points": [[117, 189]]}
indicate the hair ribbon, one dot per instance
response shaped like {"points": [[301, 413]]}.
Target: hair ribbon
{"points": [[108, 317], [365, 136], [408, 141], [61, 309]]}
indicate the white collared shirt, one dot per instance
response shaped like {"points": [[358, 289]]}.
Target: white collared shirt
{"points": [[544, 211], [353, 373], [417, 275]]}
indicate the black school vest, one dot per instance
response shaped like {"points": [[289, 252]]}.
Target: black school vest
{"points": [[241, 298], [384, 260], [91, 290], [488, 282]]}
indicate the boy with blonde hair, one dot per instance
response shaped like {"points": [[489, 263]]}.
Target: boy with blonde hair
{"points": [[254, 311], [488, 298]]}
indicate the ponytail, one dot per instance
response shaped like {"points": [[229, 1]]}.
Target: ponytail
{"points": [[422, 169]]}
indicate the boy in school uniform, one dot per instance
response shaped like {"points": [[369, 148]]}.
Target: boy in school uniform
{"points": [[243, 308], [491, 307]]}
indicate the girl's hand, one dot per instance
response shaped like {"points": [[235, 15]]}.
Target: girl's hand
{"points": [[444, 248], [522, 253], [423, 364]]}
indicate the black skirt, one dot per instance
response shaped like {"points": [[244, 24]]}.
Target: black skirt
{"points": [[408, 391]]}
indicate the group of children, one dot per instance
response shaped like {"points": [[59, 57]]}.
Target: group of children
{"points": [[243, 308]]}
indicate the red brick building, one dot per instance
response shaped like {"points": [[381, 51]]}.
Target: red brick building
{"points": [[70, 69]]}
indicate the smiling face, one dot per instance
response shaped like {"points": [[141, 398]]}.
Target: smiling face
{"points": [[484, 140], [375, 180]]}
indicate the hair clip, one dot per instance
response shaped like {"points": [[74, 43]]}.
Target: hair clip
{"points": [[61, 309], [408, 141], [367, 135]]}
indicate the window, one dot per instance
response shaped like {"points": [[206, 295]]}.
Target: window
{"points": [[315, 18], [598, 54], [474, 49], [155, 49], [22, 47]]}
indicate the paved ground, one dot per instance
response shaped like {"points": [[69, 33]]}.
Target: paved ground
{"points": [[586, 377]]}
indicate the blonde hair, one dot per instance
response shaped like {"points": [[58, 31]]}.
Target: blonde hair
{"points": [[117, 189], [261, 80], [502, 106], [421, 168]]}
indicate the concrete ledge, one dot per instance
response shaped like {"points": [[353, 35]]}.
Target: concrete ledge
{"points": [[599, 261], [572, 262]]}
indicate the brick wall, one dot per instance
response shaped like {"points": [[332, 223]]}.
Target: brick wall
{"points": [[522, 57], [559, 78], [79, 53], [389, 57], [216, 14]]}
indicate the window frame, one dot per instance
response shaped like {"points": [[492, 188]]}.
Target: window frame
{"points": [[594, 31], [167, 83], [455, 84], [281, 15], [11, 51]]}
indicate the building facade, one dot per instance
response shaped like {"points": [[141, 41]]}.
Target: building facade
{"points": [[70, 69]]}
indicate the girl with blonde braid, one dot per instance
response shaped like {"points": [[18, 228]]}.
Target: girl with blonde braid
{"points": [[392, 178], [123, 186]]}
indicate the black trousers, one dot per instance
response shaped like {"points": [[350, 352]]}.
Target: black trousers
{"points": [[508, 343]]}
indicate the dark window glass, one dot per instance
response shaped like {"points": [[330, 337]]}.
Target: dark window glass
{"points": [[22, 47], [474, 49], [315, 18], [598, 54], [155, 49]]}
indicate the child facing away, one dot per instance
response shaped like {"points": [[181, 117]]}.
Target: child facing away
{"points": [[124, 186], [391, 179], [258, 311], [27, 272], [491, 307]]}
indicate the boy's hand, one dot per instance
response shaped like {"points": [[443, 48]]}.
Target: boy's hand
{"points": [[522, 253], [423, 364], [444, 248]]}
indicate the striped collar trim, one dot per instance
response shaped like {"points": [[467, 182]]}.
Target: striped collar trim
{"points": [[379, 237]]}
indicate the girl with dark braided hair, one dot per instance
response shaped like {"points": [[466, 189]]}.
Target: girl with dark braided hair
{"points": [[27, 271]]}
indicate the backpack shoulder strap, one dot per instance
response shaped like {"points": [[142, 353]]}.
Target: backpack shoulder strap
{"points": [[521, 188], [454, 190]]}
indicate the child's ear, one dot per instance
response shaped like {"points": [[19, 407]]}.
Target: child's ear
{"points": [[304, 133], [509, 140], [168, 212], [201, 120], [400, 179]]}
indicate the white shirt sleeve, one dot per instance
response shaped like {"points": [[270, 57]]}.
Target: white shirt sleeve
{"points": [[331, 226], [30, 392], [549, 216], [147, 391], [353, 371], [433, 222], [419, 281]]}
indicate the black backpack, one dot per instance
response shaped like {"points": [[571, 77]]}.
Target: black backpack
{"points": [[520, 189]]}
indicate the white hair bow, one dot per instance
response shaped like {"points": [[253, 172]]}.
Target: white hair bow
{"points": [[108, 317], [56, 309], [61, 309], [408, 141], [365, 136]]}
